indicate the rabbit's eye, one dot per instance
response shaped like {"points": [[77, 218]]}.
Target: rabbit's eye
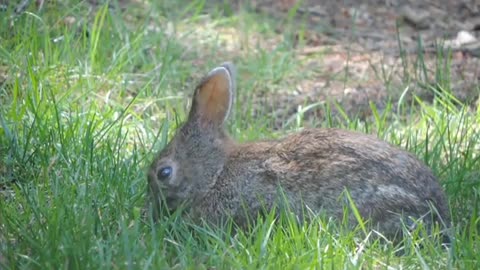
{"points": [[164, 172]]}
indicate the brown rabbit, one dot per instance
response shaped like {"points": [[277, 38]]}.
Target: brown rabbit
{"points": [[214, 177]]}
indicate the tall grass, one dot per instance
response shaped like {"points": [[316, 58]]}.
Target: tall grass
{"points": [[85, 106]]}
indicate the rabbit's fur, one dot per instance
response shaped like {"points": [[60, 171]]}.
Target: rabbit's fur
{"points": [[215, 177]]}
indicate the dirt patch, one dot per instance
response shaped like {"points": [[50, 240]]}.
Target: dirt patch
{"points": [[380, 51], [377, 25]]}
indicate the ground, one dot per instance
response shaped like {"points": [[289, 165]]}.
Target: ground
{"points": [[90, 92], [372, 50], [359, 52]]}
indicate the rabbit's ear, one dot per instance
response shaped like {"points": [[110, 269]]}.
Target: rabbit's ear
{"points": [[213, 97]]}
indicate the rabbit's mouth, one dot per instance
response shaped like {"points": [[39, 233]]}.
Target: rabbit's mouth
{"points": [[171, 202]]}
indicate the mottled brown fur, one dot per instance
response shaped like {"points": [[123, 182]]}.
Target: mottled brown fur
{"points": [[217, 177]]}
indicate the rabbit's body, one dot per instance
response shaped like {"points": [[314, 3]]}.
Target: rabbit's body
{"points": [[217, 177]]}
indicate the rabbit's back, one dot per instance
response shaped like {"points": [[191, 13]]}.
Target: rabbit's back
{"points": [[314, 167]]}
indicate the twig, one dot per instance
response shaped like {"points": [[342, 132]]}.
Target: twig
{"points": [[22, 6]]}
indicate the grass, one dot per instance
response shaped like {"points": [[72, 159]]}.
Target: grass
{"points": [[85, 106]]}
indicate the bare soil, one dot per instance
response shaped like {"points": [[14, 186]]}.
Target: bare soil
{"points": [[376, 51]]}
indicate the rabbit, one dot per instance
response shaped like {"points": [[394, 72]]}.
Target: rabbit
{"points": [[213, 177]]}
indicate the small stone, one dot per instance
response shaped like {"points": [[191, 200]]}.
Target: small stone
{"points": [[463, 38], [418, 18]]}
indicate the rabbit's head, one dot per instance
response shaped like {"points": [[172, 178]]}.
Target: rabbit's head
{"points": [[189, 164]]}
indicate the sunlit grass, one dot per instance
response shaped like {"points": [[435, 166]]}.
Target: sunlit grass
{"points": [[86, 106]]}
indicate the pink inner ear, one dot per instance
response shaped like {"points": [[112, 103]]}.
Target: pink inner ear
{"points": [[213, 98]]}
